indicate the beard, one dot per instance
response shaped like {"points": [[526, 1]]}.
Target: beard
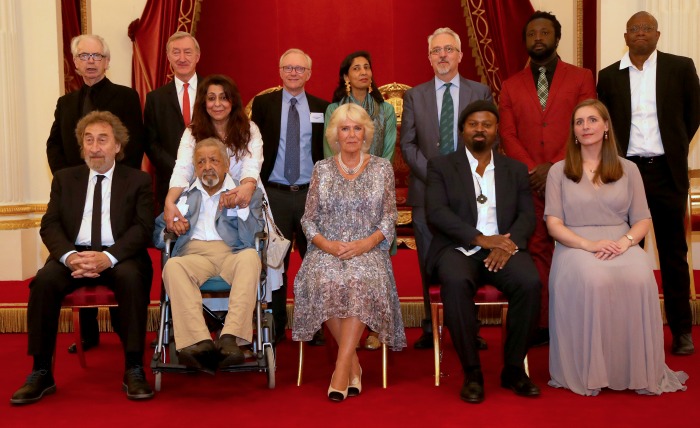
{"points": [[210, 179], [542, 55]]}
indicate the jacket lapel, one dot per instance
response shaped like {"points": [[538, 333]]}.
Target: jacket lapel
{"points": [[117, 202], [501, 178], [464, 172], [662, 79], [78, 207], [560, 75], [173, 102]]}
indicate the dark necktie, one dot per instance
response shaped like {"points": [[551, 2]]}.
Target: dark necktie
{"points": [[96, 235], [186, 104], [447, 116], [542, 87], [291, 154], [87, 102]]}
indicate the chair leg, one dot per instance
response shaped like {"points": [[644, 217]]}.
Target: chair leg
{"points": [[436, 341], [384, 358], [300, 371], [78, 340]]}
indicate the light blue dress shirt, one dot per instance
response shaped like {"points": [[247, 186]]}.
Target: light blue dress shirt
{"points": [[307, 163]]}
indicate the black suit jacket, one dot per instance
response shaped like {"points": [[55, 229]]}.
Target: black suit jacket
{"points": [[131, 211], [451, 203], [164, 127], [62, 147], [677, 107], [267, 114]]}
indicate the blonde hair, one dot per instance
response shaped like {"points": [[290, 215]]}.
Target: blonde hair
{"points": [[357, 114], [296, 51], [181, 35]]}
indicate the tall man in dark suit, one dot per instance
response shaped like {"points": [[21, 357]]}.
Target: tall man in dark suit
{"points": [[480, 208], [291, 124], [97, 226], [654, 103], [91, 58], [536, 106], [168, 110], [429, 128]]}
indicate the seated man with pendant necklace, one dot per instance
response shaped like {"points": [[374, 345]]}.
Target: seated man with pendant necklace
{"points": [[480, 209]]}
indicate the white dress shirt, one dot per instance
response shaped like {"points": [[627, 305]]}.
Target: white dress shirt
{"points": [[205, 228], [486, 222], [85, 233], [645, 136], [192, 90]]}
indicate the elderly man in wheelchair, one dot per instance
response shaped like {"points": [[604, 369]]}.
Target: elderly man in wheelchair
{"points": [[217, 241]]}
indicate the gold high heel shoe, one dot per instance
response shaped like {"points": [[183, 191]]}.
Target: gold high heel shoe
{"points": [[335, 394], [355, 386]]}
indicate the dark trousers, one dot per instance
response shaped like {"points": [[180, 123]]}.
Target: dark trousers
{"points": [[287, 208], [423, 237], [461, 277], [668, 206], [130, 280]]}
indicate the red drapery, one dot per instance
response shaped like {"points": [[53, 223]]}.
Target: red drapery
{"points": [[495, 35], [70, 17]]}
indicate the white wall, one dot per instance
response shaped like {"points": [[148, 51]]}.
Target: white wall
{"points": [[565, 11]]}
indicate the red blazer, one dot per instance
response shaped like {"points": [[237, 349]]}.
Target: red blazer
{"points": [[528, 133]]}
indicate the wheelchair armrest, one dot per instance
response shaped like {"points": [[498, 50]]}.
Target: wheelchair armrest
{"points": [[260, 238], [169, 238]]}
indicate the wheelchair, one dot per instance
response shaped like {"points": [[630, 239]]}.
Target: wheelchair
{"points": [[165, 358]]}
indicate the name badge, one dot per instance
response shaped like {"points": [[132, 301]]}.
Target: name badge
{"points": [[232, 212], [316, 117]]}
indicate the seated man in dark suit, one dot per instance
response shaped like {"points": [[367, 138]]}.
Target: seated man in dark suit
{"points": [[220, 241], [480, 209], [107, 248]]}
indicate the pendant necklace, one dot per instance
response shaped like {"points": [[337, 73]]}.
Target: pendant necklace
{"points": [[481, 198], [348, 170]]}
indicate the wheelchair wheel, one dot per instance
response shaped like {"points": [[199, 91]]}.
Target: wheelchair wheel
{"points": [[159, 379], [270, 359]]}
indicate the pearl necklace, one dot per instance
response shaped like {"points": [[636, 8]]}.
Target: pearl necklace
{"points": [[348, 170]]}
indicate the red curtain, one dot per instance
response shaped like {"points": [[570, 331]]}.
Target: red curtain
{"points": [[495, 33], [70, 17], [149, 34]]}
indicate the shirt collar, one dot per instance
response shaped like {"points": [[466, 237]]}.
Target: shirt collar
{"points": [[439, 83], [626, 62], [473, 163], [549, 67], [179, 83], [228, 185], [108, 175], [286, 96]]}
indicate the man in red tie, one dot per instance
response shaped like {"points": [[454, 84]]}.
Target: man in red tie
{"points": [[169, 108]]}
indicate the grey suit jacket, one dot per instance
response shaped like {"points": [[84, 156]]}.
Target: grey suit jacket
{"points": [[420, 129]]}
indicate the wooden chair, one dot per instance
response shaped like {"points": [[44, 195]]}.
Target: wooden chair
{"points": [[86, 297], [487, 295], [329, 344]]}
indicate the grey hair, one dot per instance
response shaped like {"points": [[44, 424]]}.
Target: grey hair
{"points": [[297, 51], [181, 35], [212, 142], [77, 39], [445, 30]]}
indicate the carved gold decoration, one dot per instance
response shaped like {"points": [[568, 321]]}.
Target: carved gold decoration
{"points": [[189, 16], [249, 106], [579, 33], [393, 94], [481, 43], [404, 217], [84, 17], [408, 241], [19, 224], [8, 210]]}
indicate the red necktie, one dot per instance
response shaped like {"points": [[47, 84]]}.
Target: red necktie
{"points": [[186, 104]]}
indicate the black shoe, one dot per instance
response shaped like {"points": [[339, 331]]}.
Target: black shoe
{"points": [[541, 337], [515, 379], [481, 344], [87, 345], [425, 341], [202, 356], [682, 344], [319, 338], [229, 352], [473, 389], [135, 384], [38, 384]]}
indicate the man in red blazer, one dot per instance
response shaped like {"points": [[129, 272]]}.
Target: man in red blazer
{"points": [[536, 106]]}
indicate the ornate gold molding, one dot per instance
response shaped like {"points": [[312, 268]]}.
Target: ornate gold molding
{"points": [[579, 33], [481, 42], [20, 224], [8, 210]]}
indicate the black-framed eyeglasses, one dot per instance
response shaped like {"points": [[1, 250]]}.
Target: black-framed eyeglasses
{"points": [[288, 69], [643, 28], [438, 50], [87, 56]]}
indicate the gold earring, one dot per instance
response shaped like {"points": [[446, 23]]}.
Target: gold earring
{"points": [[605, 135], [575, 140], [347, 87], [369, 91]]}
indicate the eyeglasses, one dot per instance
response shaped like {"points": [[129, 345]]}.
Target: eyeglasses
{"points": [[643, 28], [288, 69], [87, 56], [440, 49]]}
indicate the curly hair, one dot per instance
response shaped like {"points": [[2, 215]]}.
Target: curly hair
{"points": [[121, 134]]}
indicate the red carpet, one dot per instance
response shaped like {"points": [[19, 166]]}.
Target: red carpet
{"points": [[93, 396]]}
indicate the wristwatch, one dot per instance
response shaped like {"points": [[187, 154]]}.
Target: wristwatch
{"points": [[630, 237]]}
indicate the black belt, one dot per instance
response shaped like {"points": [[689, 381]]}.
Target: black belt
{"points": [[88, 248], [646, 159], [292, 188]]}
